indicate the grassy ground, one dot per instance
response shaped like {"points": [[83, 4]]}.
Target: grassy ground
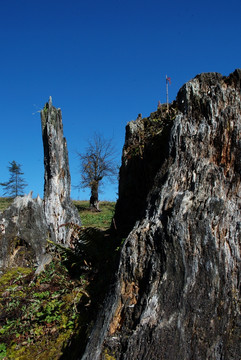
{"points": [[5, 202], [90, 218]]}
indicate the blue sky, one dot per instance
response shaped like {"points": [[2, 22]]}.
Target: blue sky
{"points": [[103, 62]]}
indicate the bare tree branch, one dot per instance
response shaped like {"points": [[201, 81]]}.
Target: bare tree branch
{"points": [[98, 162]]}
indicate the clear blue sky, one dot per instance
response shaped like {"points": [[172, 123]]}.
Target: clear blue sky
{"points": [[103, 62]]}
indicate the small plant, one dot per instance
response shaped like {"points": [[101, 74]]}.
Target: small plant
{"points": [[44, 316], [3, 351]]}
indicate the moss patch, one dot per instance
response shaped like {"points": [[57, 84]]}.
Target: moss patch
{"points": [[108, 356]]}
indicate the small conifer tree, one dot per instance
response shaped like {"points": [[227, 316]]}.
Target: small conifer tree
{"points": [[16, 183]]}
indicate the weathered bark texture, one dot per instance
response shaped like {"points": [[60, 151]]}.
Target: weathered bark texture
{"points": [[94, 199], [58, 207], [23, 233], [27, 224], [145, 150], [177, 293]]}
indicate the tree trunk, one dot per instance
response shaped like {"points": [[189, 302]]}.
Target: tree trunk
{"points": [[94, 199], [176, 290], [58, 207]]}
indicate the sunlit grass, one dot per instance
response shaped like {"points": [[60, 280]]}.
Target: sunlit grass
{"points": [[5, 202], [90, 218]]}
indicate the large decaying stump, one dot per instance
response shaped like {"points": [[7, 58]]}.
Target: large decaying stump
{"points": [[177, 289], [23, 233], [58, 207], [27, 224]]}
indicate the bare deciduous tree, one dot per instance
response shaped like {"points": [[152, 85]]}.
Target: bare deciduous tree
{"points": [[97, 162]]}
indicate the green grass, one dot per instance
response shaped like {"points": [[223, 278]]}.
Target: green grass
{"points": [[5, 202], [91, 218]]}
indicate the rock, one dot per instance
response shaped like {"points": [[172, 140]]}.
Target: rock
{"points": [[24, 233], [177, 290], [58, 207]]}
